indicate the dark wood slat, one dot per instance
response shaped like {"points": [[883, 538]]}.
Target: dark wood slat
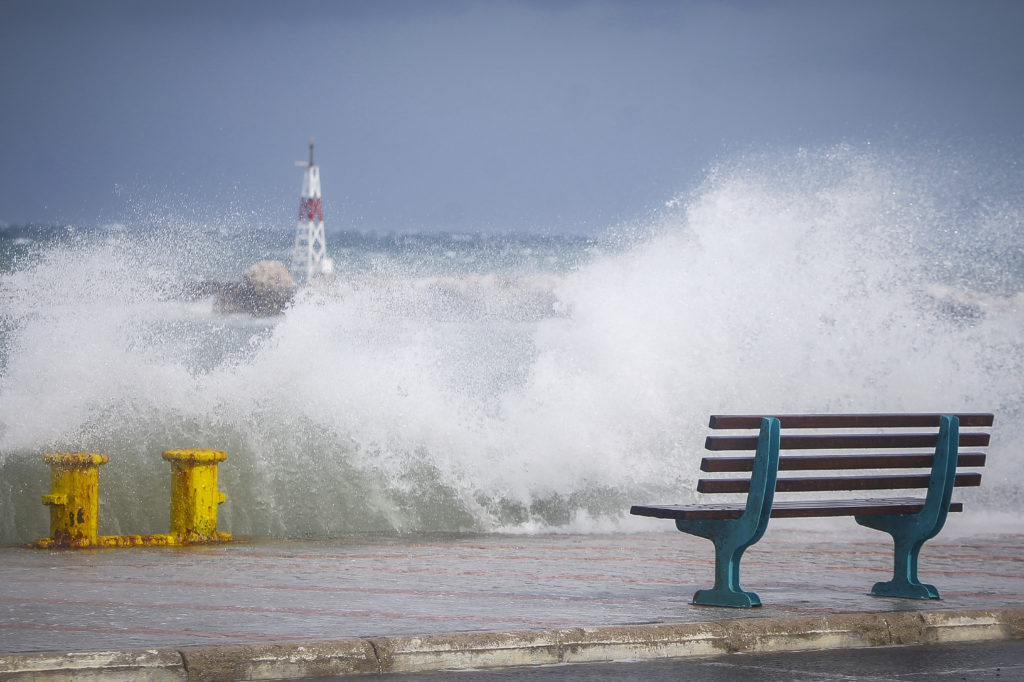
{"points": [[798, 509], [815, 508], [842, 421], [844, 441], [832, 483], [840, 462], [705, 511]]}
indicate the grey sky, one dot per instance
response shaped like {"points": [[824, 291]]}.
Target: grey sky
{"points": [[471, 115]]}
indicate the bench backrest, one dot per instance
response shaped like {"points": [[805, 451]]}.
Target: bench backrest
{"points": [[848, 449]]}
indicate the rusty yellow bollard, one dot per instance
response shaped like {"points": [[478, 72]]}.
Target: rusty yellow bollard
{"points": [[194, 495], [74, 499]]}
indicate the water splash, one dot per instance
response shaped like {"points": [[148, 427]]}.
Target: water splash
{"points": [[482, 384]]}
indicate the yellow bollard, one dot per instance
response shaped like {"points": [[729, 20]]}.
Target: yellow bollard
{"points": [[74, 499], [194, 495]]}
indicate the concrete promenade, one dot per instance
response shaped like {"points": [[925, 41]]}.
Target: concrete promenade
{"points": [[363, 605]]}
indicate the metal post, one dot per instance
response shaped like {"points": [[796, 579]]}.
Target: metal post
{"points": [[194, 495], [74, 499]]}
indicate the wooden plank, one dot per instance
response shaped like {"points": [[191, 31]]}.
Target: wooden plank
{"points": [[704, 511], [844, 441], [840, 462], [842, 421], [798, 509], [833, 483], [815, 508]]}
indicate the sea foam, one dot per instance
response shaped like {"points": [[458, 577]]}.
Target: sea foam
{"points": [[444, 385]]}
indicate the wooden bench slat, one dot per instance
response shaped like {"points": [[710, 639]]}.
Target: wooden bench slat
{"points": [[844, 441], [791, 509], [843, 462], [673, 511], [842, 421], [812, 508], [834, 483]]}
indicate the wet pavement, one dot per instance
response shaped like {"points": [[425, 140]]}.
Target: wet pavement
{"points": [[262, 591]]}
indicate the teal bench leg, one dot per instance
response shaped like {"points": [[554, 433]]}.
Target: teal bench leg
{"points": [[905, 582], [910, 531], [729, 548], [732, 536]]}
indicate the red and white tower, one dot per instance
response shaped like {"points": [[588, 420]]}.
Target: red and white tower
{"points": [[310, 247]]}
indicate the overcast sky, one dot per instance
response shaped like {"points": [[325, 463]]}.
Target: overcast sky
{"points": [[471, 114]]}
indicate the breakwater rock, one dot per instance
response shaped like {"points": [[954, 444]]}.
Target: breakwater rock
{"points": [[265, 289]]}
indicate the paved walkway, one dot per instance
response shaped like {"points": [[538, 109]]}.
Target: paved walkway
{"points": [[256, 593]]}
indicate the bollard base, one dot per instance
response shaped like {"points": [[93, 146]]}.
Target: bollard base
{"points": [[62, 543], [194, 538], [158, 540]]}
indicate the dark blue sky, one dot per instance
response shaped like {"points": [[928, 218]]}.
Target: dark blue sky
{"points": [[471, 115]]}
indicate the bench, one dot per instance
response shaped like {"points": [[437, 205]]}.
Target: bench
{"points": [[839, 452]]}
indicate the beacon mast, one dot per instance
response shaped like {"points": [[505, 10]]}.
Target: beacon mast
{"points": [[310, 247]]}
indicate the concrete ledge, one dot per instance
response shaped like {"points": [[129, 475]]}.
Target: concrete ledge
{"points": [[368, 656], [648, 641], [112, 666], [280, 661], [965, 626], [468, 650]]}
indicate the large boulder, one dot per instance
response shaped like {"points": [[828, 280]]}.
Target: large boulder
{"points": [[266, 289], [269, 274]]}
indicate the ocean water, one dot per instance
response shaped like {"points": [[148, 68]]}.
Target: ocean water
{"points": [[513, 383]]}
